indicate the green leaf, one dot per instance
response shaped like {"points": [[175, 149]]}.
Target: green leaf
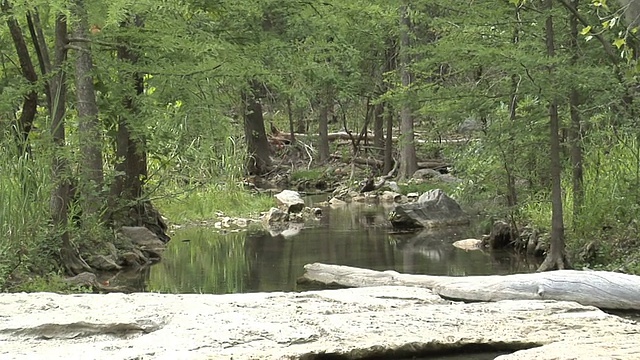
{"points": [[619, 43]]}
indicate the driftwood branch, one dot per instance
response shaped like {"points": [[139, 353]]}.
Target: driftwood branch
{"points": [[607, 290]]}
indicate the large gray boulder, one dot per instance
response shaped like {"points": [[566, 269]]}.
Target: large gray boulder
{"points": [[432, 209], [144, 240], [290, 201]]}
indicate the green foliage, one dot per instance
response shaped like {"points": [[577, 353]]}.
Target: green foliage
{"points": [[470, 60], [49, 283]]}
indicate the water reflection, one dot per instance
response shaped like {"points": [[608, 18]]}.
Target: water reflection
{"points": [[356, 236]]}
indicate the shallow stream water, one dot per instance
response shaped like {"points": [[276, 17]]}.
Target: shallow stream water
{"points": [[200, 260]]}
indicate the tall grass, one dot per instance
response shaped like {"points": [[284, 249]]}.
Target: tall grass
{"points": [[222, 190], [611, 186], [24, 211]]}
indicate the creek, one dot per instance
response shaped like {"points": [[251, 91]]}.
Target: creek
{"points": [[201, 260]]}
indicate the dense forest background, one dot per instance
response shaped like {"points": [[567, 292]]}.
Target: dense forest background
{"points": [[112, 110]]}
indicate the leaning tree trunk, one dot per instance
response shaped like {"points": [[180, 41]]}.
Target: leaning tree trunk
{"points": [[259, 162], [91, 172], [408, 158], [30, 102], [556, 257]]}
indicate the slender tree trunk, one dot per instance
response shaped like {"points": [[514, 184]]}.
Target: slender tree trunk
{"points": [[575, 133], [512, 193], [30, 101], [255, 134], [60, 197], [323, 127], [131, 170], [389, 65], [91, 167], [556, 258], [378, 128], [408, 158]]}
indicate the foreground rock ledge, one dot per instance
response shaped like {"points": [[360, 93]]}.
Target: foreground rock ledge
{"points": [[353, 323]]}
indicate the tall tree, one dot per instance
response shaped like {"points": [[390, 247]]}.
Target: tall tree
{"points": [[556, 256], [408, 158], [91, 167]]}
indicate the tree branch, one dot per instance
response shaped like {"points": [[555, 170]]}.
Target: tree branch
{"points": [[608, 48]]}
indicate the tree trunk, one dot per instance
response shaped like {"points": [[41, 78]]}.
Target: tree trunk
{"points": [[575, 133], [378, 128], [389, 65], [408, 158], [61, 193], [556, 257], [131, 169], [323, 127], [91, 171], [388, 142], [259, 162], [30, 103], [512, 193]]}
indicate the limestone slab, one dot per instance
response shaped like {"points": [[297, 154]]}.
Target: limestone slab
{"points": [[350, 322]]}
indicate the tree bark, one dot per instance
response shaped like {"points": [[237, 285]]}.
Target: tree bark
{"points": [[30, 103], [556, 257], [259, 162], [91, 167], [408, 158]]}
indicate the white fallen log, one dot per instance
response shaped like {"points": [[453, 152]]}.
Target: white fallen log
{"points": [[607, 290]]}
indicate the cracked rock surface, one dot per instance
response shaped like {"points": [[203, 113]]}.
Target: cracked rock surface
{"points": [[350, 322]]}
